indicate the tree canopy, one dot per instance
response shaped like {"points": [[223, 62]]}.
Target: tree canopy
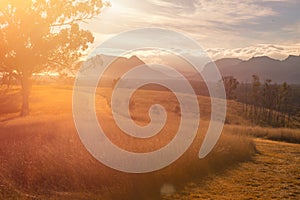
{"points": [[40, 35]]}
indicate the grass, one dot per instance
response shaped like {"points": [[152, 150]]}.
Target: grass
{"points": [[42, 157], [274, 173], [277, 134]]}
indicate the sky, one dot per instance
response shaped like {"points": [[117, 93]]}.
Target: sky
{"points": [[223, 28]]}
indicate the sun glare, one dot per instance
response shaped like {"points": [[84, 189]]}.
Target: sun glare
{"points": [[149, 99]]}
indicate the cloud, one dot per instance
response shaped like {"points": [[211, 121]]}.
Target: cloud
{"points": [[274, 51], [209, 21], [225, 11], [292, 28], [128, 13], [229, 27]]}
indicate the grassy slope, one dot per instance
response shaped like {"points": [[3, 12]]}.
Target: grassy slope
{"points": [[42, 157], [274, 173]]}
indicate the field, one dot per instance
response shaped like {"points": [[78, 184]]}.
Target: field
{"points": [[272, 174], [149, 100], [42, 157]]}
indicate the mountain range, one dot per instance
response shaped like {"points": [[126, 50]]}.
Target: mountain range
{"points": [[278, 71]]}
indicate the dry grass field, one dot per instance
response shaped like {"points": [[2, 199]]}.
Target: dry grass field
{"points": [[42, 157], [274, 173], [276, 134]]}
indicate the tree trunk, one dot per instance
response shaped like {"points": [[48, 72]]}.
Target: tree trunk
{"points": [[26, 86]]}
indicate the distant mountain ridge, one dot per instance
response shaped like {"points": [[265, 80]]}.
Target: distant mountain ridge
{"points": [[278, 71], [287, 70], [116, 67]]}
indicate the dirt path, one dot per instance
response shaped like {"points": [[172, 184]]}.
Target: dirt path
{"points": [[274, 173]]}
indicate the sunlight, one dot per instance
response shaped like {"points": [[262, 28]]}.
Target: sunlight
{"points": [[115, 7], [149, 99]]}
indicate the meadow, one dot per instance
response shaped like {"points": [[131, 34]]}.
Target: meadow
{"points": [[42, 156]]}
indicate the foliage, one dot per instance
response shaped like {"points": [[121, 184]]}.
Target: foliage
{"points": [[231, 85], [42, 35], [267, 103]]}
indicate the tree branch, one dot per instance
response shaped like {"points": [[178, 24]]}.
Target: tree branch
{"points": [[72, 21]]}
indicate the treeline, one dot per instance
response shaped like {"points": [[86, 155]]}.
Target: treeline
{"points": [[264, 103]]}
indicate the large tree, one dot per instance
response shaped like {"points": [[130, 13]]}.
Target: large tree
{"points": [[42, 35]]}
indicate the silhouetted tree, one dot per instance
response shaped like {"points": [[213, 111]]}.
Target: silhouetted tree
{"points": [[41, 35], [255, 98], [283, 105], [231, 85]]}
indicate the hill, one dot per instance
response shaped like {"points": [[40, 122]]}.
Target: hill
{"points": [[278, 71], [42, 157], [287, 70], [115, 68]]}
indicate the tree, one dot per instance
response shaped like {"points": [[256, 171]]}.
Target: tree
{"points": [[283, 103], [245, 97], [42, 35], [255, 97], [230, 84]]}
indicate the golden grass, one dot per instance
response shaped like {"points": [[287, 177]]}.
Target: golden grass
{"points": [[274, 173], [277, 134], [42, 157]]}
